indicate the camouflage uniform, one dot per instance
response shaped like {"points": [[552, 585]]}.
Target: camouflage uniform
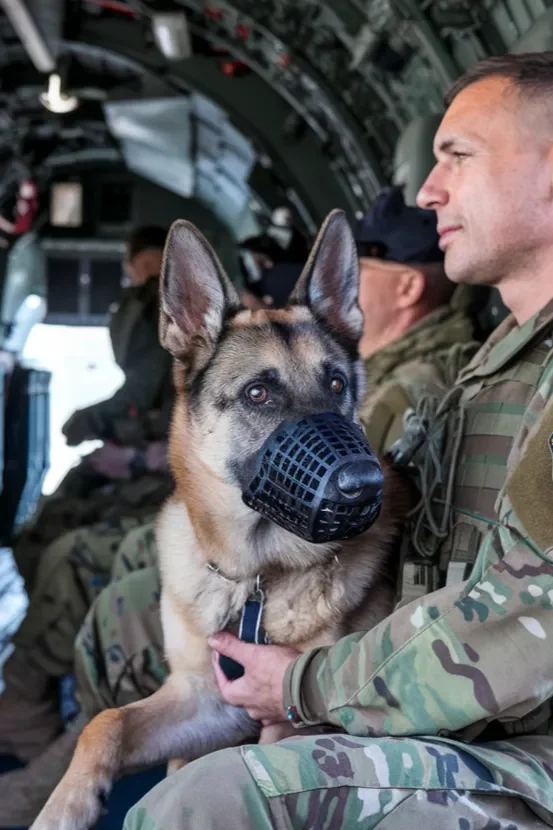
{"points": [[70, 575], [426, 359], [137, 413], [134, 336], [66, 554], [64, 571], [467, 669], [119, 651]]}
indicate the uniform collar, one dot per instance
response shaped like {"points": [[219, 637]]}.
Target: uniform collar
{"points": [[441, 329], [506, 342]]}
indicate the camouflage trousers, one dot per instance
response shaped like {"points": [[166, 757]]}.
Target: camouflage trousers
{"points": [[72, 572], [119, 649], [82, 501], [338, 781], [308, 781]]}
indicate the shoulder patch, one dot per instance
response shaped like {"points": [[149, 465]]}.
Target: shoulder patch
{"points": [[530, 484]]}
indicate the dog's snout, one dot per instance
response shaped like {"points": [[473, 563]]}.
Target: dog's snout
{"points": [[361, 477]]}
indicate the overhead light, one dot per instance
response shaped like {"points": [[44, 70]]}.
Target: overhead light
{"points": [[55, 100], [171, 35]]}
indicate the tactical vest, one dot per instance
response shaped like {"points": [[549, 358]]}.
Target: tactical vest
{"points": [[486, 410]]}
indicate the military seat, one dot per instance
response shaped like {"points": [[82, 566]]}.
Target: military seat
{"points": [[25, 408]]}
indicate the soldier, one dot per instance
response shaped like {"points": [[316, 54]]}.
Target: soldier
{"points": [[135, 341], [111, 482], [444, 709], [272, 261], [71, 573], [116, 488]]}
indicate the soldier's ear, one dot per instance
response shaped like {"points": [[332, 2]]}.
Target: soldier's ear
{"points": [[196, 294], [410, 287], [329, 284]]}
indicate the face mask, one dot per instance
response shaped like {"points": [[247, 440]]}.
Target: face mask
{"points": [[317, 477]]}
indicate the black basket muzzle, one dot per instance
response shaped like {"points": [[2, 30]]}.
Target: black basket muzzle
{"points": [[318, 477]]}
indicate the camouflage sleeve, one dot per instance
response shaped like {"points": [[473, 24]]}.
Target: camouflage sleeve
{"points": [[382, 421], [383, 411], [469, 653]]}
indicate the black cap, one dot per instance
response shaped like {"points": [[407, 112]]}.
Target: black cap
{"points": [[397, 232]]}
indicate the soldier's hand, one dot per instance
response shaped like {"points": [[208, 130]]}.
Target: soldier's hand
{"points": [[260, 689], [77, 429], [112, 461], [157, 460]]}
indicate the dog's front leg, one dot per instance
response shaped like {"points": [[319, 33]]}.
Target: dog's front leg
{"points": [[175, 722], [141, 733]]}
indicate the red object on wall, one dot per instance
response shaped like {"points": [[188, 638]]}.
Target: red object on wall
{"points": [[26, 206], [214, 14], [234, 68]]}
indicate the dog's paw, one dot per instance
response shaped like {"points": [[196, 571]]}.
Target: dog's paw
{"points": [[72, 807]]}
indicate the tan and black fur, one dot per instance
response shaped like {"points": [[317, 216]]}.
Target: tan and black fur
{"points": [[314, 594]]}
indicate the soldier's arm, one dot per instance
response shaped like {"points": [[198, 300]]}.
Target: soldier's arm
{"points": [[151, 367], [467, 653]]}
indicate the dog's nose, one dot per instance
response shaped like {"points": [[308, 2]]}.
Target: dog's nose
{"points": [[361, 477]]}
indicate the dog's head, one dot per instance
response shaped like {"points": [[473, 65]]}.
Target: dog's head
{"points": [[238, 373]]}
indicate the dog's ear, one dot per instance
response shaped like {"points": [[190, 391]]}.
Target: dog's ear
{"points": [[196, 294], [329, 284]]}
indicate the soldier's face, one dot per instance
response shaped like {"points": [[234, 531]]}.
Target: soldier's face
{"points": [[383, 294], [492, 185], [144, 265]]}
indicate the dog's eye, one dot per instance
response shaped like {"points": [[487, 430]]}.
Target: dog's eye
{"points": [[337, 384], [257, 393]]}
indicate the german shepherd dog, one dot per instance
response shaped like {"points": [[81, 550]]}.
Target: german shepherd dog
{"points": [[238, 375]]}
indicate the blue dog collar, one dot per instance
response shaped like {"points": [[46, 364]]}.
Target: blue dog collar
{"points": [[250, 629]]}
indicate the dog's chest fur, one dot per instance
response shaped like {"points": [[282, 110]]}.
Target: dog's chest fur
{"points": [[299, 607]]}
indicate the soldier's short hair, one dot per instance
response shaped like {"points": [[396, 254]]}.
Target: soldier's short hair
{"points": [[143, 238], [530, 73]]}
